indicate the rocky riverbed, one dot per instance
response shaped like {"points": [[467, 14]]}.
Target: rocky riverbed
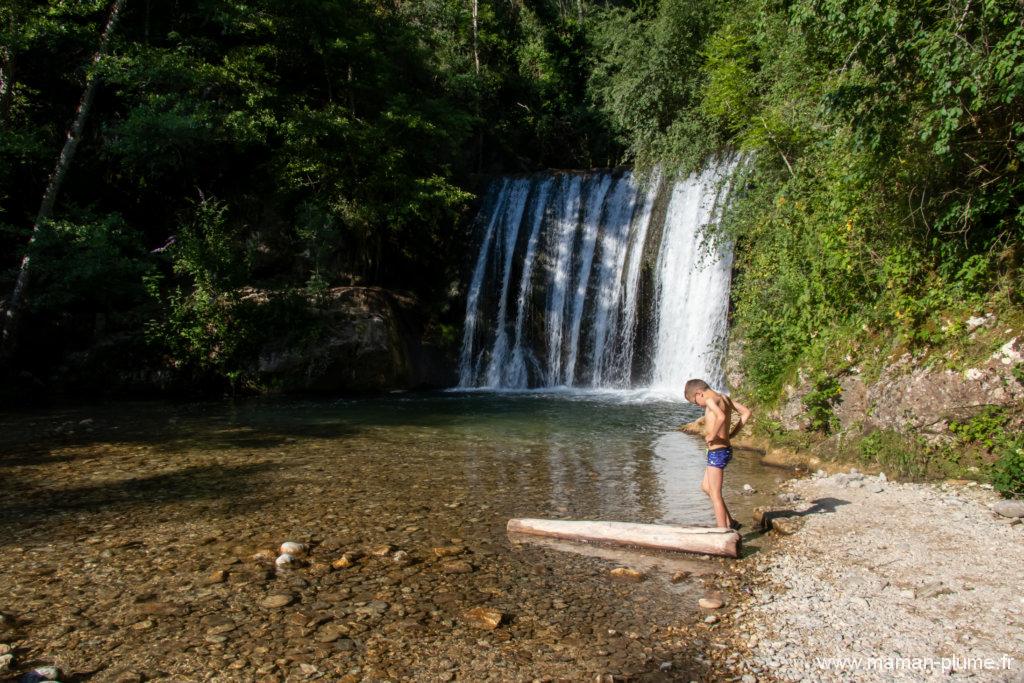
{"points": [[140, 543], [874, 580]]}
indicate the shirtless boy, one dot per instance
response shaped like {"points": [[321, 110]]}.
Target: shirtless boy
{"points": [[718, 435]]}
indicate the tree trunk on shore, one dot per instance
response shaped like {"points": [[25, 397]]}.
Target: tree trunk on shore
{"points": [[704, 540], [12, 313]]}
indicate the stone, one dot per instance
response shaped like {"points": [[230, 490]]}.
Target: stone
{"points": [[382, 550], [786, 526], [747, 488], [329, 633], [277, 600], [681, 576], [456, 567], [483, 617], [216, 576], [6, 663], [294, 549], [345, 561], [218, 625], [401, 557], [626, 574], [42, 673], [284, 561], [5, 649], [1009, 508], [449, 550], [710, 602], [711, 619]]}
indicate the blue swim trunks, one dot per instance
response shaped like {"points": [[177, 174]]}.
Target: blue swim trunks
{"points": [[719, 457]]}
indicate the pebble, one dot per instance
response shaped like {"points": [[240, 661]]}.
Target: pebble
{"points": [[711, 619], [626, 574], [292, 548], [456, 567], [5, 649], [216, 576], [710, 603], [42, 673], [6, 663], [277, 600], [346, 560], [382, 550], [484, 617], [681, 576], [284, 560]]}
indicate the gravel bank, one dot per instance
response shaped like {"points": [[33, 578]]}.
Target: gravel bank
{"points": [[894, 577]]}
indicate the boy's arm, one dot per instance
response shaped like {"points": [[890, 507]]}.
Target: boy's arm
{"points": [[744, 413]]}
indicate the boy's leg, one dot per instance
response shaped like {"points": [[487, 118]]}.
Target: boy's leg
{"points": [[713, 478]]}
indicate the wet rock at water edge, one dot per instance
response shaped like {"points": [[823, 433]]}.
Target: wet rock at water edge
{"points": [[456, 567], [626, 574], [710, 602], [786, 526], [484, 617], [1009, 508], [277, 600]]}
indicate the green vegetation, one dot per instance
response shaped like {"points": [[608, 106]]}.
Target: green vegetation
{"points": [[289, 147], [882, 146], [294, 147]]}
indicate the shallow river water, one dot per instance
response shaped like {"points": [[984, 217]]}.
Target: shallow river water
{"points": [[129, 533]]}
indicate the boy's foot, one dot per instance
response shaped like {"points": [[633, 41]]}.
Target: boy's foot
{"points": [[735, 526]]}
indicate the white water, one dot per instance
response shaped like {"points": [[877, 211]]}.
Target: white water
{"points": [[579, 246]]}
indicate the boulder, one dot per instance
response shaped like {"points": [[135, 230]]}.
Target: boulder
{"points": [[1009, 508]]}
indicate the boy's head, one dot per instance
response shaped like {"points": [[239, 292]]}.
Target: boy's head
{"points": [[694, 391]]}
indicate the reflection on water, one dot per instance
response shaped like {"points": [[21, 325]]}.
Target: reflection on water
{"points": [[600, 455]]}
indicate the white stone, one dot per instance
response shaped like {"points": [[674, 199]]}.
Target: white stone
{"points": [[284, 560], [292, 548]]}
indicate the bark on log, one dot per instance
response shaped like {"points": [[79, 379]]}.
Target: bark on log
{"points": [[691, 539]]}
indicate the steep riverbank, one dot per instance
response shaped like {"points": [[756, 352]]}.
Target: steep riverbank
{"points": [[882, 581]]}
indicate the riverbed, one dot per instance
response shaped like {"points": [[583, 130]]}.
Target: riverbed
{"points": [[138, 538]]}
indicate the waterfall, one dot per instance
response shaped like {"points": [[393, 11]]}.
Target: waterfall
{"points": [[595, 280]]}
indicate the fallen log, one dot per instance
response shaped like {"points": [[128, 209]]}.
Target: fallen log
{"points": [[690, 539]]}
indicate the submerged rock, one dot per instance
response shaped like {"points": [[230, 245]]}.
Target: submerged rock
{"points": [[626, 574], [277, 600], [484, 617], [294, 549]]}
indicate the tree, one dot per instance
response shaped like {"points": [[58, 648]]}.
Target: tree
{"points": [[14, 304]]}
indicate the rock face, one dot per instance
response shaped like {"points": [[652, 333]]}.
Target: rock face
{"points": [[909, 396], [373, 342]]}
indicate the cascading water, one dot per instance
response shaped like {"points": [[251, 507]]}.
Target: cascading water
{"points": [[594, 280]]}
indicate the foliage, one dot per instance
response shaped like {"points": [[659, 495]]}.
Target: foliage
{"points": [[882, 145], [986, 428], [1008, 471], [820, 403], [278, 146]]}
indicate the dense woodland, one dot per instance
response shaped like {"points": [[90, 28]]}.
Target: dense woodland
{"points": [[299, 145]]}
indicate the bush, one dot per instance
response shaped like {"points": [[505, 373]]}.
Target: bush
{"points": [[1008, 472], [820, 403]]}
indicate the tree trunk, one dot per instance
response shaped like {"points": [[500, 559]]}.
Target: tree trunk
{"points": [[692, 539], [475, 4], [6, 82], [14, 305]]}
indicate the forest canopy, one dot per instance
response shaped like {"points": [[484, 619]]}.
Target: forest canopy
{"points": [[301, 145]]}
